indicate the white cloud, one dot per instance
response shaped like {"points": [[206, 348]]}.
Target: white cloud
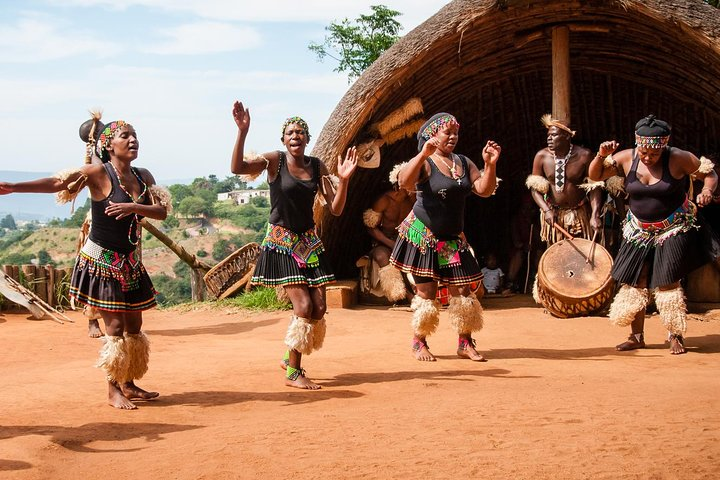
{"points": [[205, 37], [38, 38], [413, 11]]}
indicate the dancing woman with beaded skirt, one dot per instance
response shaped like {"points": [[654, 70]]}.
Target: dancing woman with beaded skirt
{"points": [[292, 254], [108, 274], [664, 238], [431, 245]]}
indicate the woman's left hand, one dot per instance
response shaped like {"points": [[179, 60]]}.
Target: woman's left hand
{"points": [[119, 210], [491, 152], [346, 167]]}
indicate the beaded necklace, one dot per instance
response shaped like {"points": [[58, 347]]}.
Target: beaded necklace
{"points": [[134, 220], [454, 174], [560, 169]]}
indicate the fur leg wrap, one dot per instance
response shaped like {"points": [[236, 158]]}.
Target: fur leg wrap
{"points": [[114, 359], [626, 304], [672, 309], [391, 283], [466, 314], [301, 335], [536, 292], [319, 329], [426, 316], [138, 349]]}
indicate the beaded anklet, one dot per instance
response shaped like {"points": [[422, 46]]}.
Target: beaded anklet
{"points": [[286, 358], [464, 343], [293, 373]]}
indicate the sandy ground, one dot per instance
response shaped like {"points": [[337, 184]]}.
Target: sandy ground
{"points": [[554, 401]]}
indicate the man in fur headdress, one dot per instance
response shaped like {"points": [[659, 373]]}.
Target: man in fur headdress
{"points": [[559, 187], [381, 221]]}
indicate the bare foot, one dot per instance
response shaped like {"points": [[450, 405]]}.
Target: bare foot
{"points": [[632, 343], [677, 344], [132, 391], [421, 351], [94, 329], [466, 349], [117, 399], [301, 381]]}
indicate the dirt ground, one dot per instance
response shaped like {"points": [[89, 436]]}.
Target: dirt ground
{"points": [[554, 401]]}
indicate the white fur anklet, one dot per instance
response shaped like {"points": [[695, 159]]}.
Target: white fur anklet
{"points": [[626, 304], [426, 316], [672, 309], [300, 335], [114, 359], [138, 350], [391, 283], [466, 314]]}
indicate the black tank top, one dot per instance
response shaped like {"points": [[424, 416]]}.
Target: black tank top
{"points": [[108, 232], [652, 203], [292, 199], [440, 202]]}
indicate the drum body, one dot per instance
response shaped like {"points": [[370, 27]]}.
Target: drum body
{"points": [[570, 286]]}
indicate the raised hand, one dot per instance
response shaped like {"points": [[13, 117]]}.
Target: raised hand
{"points": [[491, 152], [429, 147], [608, 147], [5, 188], [346, 167], [241, 116]]}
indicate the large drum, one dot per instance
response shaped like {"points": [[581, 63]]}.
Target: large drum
{"points": [[568, 285]]}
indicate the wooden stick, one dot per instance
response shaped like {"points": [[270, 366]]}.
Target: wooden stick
{"points": [[592, 248], [571, 238], [32, 298]]}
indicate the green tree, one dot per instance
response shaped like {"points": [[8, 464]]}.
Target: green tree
{"points": [[44, 258], [261, 202], [193, 206], [8, 222], [170, 222], [78, 216], [357, 45], [179, 192]]}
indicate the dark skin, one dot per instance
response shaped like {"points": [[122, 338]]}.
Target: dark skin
{"points": [[123, 149], [394, 206], [440, 149], [307, 302], [650, 171], [576, 169]]}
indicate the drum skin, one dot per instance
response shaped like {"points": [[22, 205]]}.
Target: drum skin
{"points": [[570, 286]]}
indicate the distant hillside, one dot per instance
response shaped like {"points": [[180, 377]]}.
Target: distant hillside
{"points": [[41, 206]]}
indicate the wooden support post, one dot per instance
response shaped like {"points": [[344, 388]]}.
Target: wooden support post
{"points": [[561, 73]]}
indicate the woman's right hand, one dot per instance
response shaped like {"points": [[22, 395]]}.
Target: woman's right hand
{"points": [[429, 147], [241, 116], [5, 188], [607, 148]]}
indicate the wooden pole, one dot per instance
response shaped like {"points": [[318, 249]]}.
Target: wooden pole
{"points": [[561, 73]]}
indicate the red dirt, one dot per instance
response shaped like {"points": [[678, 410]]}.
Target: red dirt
{"points": [[554, 401]]}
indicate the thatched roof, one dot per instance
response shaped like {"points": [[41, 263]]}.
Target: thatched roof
{"points": [[489, 63]]}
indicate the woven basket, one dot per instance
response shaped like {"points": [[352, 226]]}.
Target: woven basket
{"points": [[234, 272]]}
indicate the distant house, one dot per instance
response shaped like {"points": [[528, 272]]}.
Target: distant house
{"points": [[241, 197]]}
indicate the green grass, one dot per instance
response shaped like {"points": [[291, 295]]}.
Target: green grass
{"points": [[257, 299]]}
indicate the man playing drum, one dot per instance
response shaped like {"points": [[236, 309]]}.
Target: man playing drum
{"points": [[556, 184]]}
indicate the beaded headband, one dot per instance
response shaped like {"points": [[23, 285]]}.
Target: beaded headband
{"points": [[433, 127], [548, 121], [651, 142], [108, 134], [300, 122]]}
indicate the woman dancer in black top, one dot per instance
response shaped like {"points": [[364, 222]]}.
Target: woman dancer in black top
{"points": [[663, 238], [431, 245], [108, 274], [292, 253]]}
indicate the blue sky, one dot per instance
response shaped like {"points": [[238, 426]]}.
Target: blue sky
{"points": [[170, 67]]}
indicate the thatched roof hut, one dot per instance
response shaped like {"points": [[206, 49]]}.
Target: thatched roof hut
{"points": [[489, 62]]}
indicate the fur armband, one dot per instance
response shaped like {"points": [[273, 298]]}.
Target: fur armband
{"points": [[371, 218], [706, 166], [395, 173], [537, 183], [73, 188], [248, 157], [334, 182], [591, 185], [609, 161], [615, 186], [497, 182], [162, 196]]}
